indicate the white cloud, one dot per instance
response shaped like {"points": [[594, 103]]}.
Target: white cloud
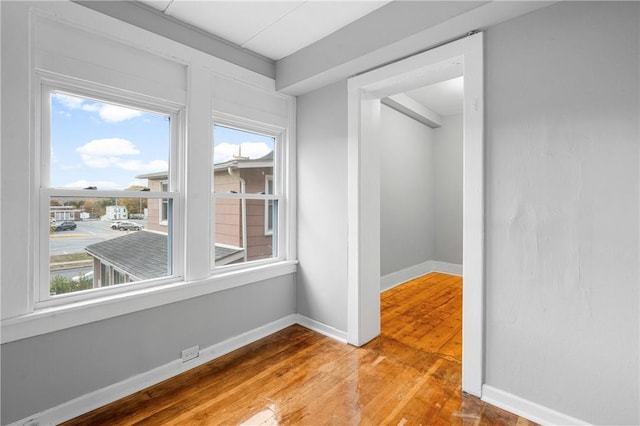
{"points": [[107, 112], [102, 184], [90, 107], [70, 102], [226, 151], [71, 166], [139, 166], [115, 114], [137, 182], [103, 153]]}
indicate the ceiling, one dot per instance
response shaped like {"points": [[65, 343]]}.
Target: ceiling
{"points": [[444, 98], [276, 29], [273, 29]]}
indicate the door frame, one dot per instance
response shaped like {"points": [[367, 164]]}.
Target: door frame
{"points": [[461, 57]]}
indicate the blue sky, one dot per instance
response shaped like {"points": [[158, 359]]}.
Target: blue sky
{"points": [[107, 146], [228, 141]]}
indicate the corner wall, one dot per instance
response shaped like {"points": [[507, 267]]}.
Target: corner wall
{"points": [[322, 205], [420, 197], [448, 172], [407, 192], [562, 197], [562, 300]]}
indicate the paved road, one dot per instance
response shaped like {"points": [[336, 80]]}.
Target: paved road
{"points": [[87, 232], [71, 272]]}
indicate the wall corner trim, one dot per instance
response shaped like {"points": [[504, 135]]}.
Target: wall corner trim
{"points": [[527, 409], [322, 328], [394, 279]]}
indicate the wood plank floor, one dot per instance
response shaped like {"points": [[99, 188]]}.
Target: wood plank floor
{"points": [[410, 375]]}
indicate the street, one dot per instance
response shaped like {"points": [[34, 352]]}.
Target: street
{"points": [[87, 232]]}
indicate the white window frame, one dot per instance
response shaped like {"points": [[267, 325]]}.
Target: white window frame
{"points": [[47, 85], [267, 210], [279, 175], [184, 79], [162, 220]]}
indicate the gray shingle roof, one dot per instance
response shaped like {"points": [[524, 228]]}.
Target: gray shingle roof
{"points": [[142, 254]]}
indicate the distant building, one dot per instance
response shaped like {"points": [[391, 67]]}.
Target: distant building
{"points": [[137, 256], [116, 213], [235, 228], [61, 213]]}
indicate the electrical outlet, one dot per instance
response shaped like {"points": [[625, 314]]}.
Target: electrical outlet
{"points": [[190, 353]]}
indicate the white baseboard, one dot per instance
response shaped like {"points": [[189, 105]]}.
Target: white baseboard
{"points": [[402, 276], [101, 397], [322, 328], [399, 277], [527, 409], [447, 268]]}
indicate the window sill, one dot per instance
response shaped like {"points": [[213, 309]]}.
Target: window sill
{"points": [[57, 318]]}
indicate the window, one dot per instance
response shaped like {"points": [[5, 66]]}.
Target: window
{"points": [[107, 163], [246, 195]]}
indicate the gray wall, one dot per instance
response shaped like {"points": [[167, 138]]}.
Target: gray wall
{"points": [[562, 300], [322, 205], [562, 209], [448, 174], [407, 192], [420, 192], [44, 371]]}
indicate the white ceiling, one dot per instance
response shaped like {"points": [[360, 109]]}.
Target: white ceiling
{"points": [[444, 98], [273, 29], [276, 29]]}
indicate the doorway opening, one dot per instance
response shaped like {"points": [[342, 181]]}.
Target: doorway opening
{"points": [[365, 95]]}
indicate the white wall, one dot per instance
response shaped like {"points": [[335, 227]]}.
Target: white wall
{"points": [[562, 214], [407, 192], [420, 195], [562, 209], [322, 205], [51, 356], [45, 371], [448, 190]]}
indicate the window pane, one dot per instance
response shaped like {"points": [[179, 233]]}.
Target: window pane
{"points": [[103, 145], [232, 244], [98, 242], [243, 164]]}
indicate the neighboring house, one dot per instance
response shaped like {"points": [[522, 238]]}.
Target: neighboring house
{"points": [[117, 213], [235, 227], [138, 256], [61, 213]]}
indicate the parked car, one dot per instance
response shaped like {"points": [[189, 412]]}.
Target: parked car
{"points": [[87, 276], [66, 226], [126, 226]]}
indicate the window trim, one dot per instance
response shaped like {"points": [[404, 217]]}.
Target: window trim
{"points": [[161, 219], [46, 87], [280, 175], [192, 92], [268, 230]]}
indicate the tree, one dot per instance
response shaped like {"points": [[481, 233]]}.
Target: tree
{"points": [[75, 203], [60, 284], [134, 205]]}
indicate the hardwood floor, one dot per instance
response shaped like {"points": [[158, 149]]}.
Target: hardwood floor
{"points": [[410, 375]]}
